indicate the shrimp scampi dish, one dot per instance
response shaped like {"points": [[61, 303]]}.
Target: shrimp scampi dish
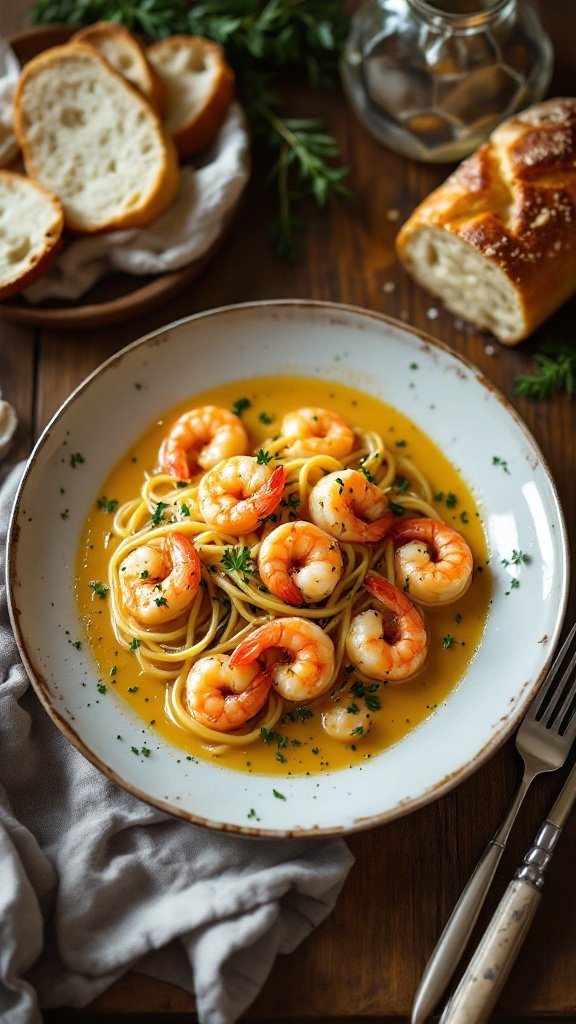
{"points": [[287, 591]]}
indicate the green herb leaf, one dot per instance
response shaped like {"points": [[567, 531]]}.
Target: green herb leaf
{"points": [[240, 406], [238, 560], [158, 514], [556, 372], [263, 457], [100, 590]]}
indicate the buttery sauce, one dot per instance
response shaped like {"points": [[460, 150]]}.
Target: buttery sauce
{"points": [[295, 746]]}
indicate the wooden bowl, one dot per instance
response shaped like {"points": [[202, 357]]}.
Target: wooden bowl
{"points": [[118, 296]]}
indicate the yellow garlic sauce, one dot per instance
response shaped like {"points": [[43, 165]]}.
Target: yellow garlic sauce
{"points": [[302, 746]]}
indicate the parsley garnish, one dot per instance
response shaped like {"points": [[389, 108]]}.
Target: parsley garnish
{"points": [[101, 688], [158, 514], [238, 560], [278, 794], [401, 484], [372, 702], [185, 509], [448, 641], [280, 757], [132, 689], [76, 459], [395, 508], [497, 461], [161, 602], [265, 418], [299, 714], [99, 589], [267, 735], [107, 504], [263, 457], [358, 731], [240, 406], [134, 644], [516, 558]]}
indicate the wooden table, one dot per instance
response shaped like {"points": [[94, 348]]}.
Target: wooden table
{"points": [[364, 962]]}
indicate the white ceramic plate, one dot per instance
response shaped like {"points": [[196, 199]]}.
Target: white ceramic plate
{"points": [[453, 404]]}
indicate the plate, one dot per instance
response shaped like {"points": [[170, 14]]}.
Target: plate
{"points": [[118, 297], [452, 403]]}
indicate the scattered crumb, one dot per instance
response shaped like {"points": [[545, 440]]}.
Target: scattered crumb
{"points": [[432, 313], [389, 287], [490, 350], [392, 214]]}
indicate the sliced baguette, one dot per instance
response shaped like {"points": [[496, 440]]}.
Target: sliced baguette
{"points": [[127, 56], [198, 87], [93, 140], [31, 225]]}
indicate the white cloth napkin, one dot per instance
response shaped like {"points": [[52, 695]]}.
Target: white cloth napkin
{"points": [[95, 882]]}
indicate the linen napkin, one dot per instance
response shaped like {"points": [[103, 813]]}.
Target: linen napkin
{"points": [[96, 882]]}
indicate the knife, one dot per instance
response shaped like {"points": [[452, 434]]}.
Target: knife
{"points": [[486, 974]]}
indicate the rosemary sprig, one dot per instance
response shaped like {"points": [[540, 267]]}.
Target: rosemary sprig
{"points": [[556, 364], [262, 40]]}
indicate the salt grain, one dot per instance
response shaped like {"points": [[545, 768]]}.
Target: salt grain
{"points": [[432, 313], [490, 350], [393, 214], [389, 287]]}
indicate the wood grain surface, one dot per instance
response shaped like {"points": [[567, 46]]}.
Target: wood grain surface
{"points": [[366, 959]]}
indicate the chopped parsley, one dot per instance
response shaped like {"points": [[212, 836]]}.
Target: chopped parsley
{"points": [[280, 757], [497, 461], [299, 714], [158, 514], [263, 457], [76, 459], [101, 688], [267, 735], [238, 559], [265, 418], [240, 406], [278, 794], [448, 641], [161, 602], [132, 689], [134, 644], [185, 509], [107, 504], [395, 508], [358, 731], [516, 558], [372, 702], [401, 444], [401, 483], [99, 589]]}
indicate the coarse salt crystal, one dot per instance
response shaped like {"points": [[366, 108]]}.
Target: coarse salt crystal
{"points": [[388, 287], [432, 313]]}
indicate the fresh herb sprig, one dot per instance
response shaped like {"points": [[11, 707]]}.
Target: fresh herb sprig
{"points": [[556, 363], [262, 39]]}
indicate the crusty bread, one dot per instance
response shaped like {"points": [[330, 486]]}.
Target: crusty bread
{"points": [[127, 56], [31, 224], [93, 140], [198, 87], [497, 241]]}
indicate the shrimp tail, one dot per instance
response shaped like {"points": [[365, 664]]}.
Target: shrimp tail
{"points": [[287, 591], [252, 646], [174, 460], [388, 594], [270, 495]]}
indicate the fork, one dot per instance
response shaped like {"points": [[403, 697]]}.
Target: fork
{"points": [[543, 741]]}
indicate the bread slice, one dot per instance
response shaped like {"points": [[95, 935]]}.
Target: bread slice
{"points": [[198, 87], [497, 241], [31, 224], [127, 56], [93, 140]]}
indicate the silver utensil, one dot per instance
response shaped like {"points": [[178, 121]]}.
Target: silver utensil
{"points": [[484, 978], [543, 741]]}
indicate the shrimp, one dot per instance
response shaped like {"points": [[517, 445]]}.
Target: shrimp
{"points": [[201, 438], [391, 650], [306, 670], [299, 562], [344, 725], [317, 432], [224, 698], [159, 580], [436, 561], [349, 507], [238, 493]]}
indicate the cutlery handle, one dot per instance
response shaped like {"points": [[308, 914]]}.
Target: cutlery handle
{"points": [[450, 945], [490, 966], [486, 974]]}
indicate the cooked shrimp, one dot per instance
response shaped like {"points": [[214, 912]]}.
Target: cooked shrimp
{"points": [[349, 507], [299, 562], [224, 698], [305, 671], [201, 438], [159, 580], [434, 559], [387, 649], [344, 725], [238, 493], [317, 432]]}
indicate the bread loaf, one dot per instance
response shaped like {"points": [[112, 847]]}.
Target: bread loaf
{"points": [[31, 224], [126, 55], [497, 241], [198, 87], [93, 140]]}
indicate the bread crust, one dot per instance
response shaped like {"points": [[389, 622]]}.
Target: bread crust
{"points": [[52, 238], [198, 130], [147, 81], [514, 203], [165, 186]]}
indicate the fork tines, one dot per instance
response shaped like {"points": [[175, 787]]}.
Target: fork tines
{"points": [[556, 703]]}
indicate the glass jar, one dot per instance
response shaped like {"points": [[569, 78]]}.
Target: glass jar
{"points": [[432, 78]]}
